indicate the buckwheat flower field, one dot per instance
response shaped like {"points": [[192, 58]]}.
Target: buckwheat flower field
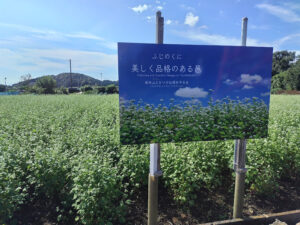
{"points": [[65, 150], [222, 119]]}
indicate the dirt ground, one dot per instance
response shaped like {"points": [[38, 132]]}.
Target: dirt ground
{"points": [[292, 92], [219, 205], [210, 206]]}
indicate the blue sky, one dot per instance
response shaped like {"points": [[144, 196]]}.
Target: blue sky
{"points": [[38, 37]]}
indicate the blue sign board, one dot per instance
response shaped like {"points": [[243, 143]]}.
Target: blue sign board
{"points": [[178, 93]]}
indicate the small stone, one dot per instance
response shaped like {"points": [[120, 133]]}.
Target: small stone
{"points": [[183, 216], [176, 221], [278, 222]]}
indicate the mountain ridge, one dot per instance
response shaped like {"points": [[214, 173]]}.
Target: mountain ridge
{"points": [[64, 80]]}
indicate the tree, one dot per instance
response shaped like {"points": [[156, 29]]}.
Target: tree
{"points": [[111, 89], [287, 80], [279, 81], [101, 89], [2, 88], [293, 77], [47, 84], [26, 79], [282, 61]]}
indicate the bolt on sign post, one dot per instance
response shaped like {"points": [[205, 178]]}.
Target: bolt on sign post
{"points": [[155, 171], [240, 156]]}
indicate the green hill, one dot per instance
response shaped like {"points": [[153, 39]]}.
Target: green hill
{"points": [[64, 80]]}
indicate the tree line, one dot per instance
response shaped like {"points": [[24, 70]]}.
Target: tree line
{"points": [[47, 85], [285, 71]]}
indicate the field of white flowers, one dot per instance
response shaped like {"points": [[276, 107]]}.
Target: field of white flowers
{"points": [[220, 120], [65, 150]]}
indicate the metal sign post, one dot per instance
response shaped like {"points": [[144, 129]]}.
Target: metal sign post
{"points": [[155, 171], [240, 156]]}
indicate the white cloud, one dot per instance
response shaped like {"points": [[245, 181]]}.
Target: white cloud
{"points": [[84, 35], [210, 38], [286, 38], [266, 82], [140, 8], [281, 12], [250, 79], [150, 19], [159, 8], [37, 61], [258, 27], [168, 22], [51, 35], [229, 82], [292, 5], [217, 39], [190, 19], [246, 86], [265, 94], [187, 8], [188, 92], [203, 27]]}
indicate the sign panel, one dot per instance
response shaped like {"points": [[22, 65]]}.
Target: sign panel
{"points": [[179, 93]]}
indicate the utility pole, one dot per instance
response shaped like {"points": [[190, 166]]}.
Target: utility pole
{"points": [[101, 80], [5, 84], [71, 72]]}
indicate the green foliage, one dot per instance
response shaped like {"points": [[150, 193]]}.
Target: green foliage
{"points": [[46, 85], [65, 149], [111, 89], [282, 61], [86, 88], [62, 91], [276, 157], [279, 81], [97, 192], [73, 90], [222, 119], [101, 90], [293, 77], [287, 80], [2, 88], [188, 168]]}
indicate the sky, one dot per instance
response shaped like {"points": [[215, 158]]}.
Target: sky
{"points": [[39, 37], [157, 73]]}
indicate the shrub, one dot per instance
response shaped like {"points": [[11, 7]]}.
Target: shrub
{"points": [[86, 88], [73, 90], [47, 84], [111, 89], [62, 90], [190, 167], [101, 90], [13, 189], [279, 81], [97, 192], [2, 88]]}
